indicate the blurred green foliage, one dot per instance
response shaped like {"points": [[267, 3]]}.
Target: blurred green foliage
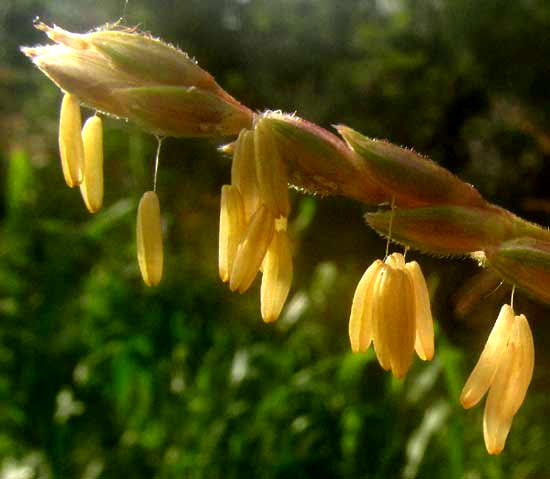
{"points": [[103, 377]]}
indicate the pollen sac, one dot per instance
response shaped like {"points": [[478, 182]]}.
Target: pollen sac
{"points": [[149, 239], [232, 226], [396, 260], [491, 357], [424, 337], [243, 172], [91, 187], [394, 319], [271, 171], [277, 276], [252, 249], [360, 321], [524, 365], [509, 386], [424, 340], [70, 142]]}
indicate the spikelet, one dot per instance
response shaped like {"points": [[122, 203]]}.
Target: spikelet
{"points": [[445, 230], [360, 321], [483, 373], [70, 142], [243, 172], [91, 187], [320, 162], [412, 179], [524, 262], [232, 227], [509, 386], [133, 75], [271, 171], [149, 239], [252, 249], [277, 276]]}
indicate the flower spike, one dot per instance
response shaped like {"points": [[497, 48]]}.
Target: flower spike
{"points": [[129, 74]]}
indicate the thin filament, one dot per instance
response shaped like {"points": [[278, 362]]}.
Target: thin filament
{"points": [[157, 156], [390, 227], [494, 290]]}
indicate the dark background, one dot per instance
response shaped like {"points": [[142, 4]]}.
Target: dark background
{"points": [[102, 377]]}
